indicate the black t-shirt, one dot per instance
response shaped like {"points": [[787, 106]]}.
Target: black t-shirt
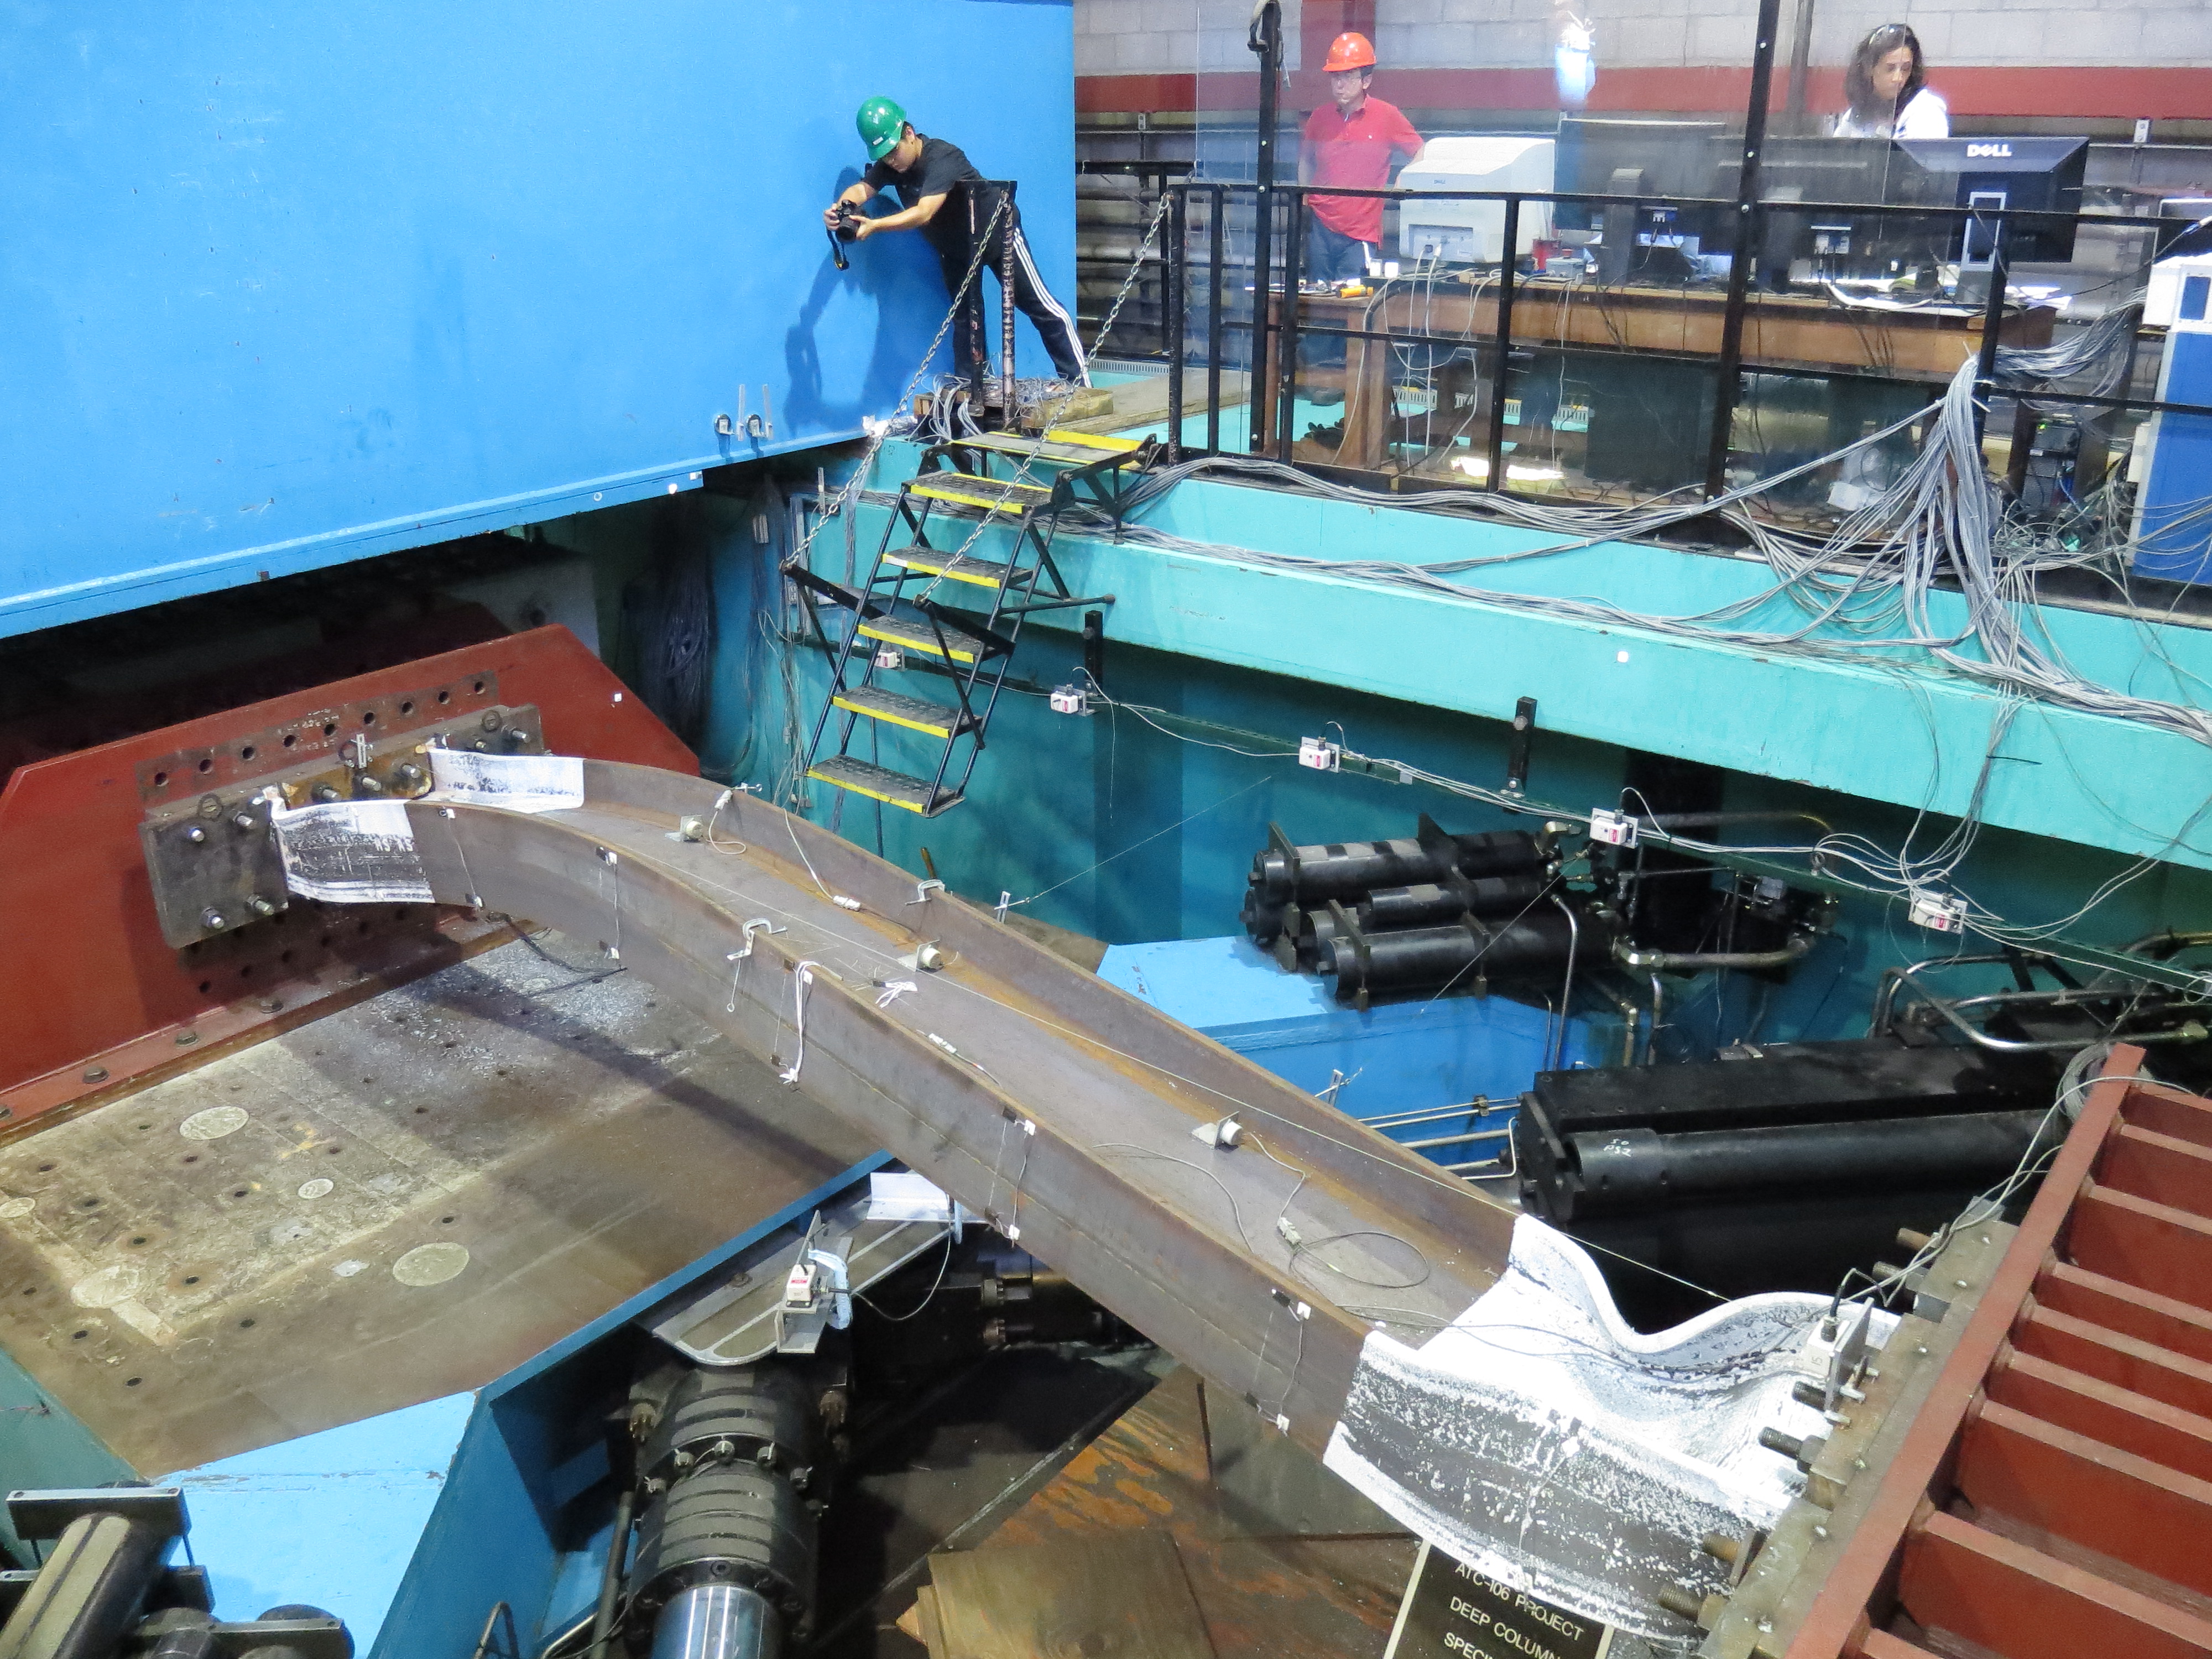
{"points": [[943, 170]]}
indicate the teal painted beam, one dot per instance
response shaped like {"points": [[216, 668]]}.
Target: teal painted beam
{"points": [[42, 1443], [1895, 727]]}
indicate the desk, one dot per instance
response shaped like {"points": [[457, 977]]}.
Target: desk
{"points": [[1791, 329]]}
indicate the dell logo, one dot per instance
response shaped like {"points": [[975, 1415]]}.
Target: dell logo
{"points": [[1974, 151]]}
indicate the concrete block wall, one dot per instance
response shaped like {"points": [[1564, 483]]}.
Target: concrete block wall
{"points": [[2003, 55]]}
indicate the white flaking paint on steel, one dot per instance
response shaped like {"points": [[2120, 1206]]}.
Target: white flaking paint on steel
{"points": [[1542, 1441]]}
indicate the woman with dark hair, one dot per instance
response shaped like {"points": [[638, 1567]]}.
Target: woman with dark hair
{"points": [[1887, 87]]}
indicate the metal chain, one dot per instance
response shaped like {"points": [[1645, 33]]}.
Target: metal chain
{"points": [[1045, 425], [849, 492]]}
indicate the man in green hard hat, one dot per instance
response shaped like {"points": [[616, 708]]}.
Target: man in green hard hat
{"points": [[932, 178]]}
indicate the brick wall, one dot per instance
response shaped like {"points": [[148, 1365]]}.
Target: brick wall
{"points": [[2001, 56]]}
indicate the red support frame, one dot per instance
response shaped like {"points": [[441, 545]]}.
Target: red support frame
{"points": [[2051, 1498], [96, 1002]]}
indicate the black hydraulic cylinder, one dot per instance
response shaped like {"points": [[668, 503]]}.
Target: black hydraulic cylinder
{"points": [[729, 1468], [1306, 934], [1625, 1170], [1535, 947], [1309, 876]]}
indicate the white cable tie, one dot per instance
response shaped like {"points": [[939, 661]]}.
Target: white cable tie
{"points": [[894, 989], [805, 971]]}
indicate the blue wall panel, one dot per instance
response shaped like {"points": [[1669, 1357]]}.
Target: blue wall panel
{"points": [[289, 285]]}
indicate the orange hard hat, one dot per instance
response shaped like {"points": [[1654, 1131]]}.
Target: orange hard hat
{"points": [[1350, 51]]}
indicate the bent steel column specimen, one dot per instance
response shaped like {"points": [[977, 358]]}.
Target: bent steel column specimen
{"points": [[1062, 1110]]}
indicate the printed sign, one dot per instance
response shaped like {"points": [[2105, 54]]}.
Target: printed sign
{"points": [[1453, 1611]]}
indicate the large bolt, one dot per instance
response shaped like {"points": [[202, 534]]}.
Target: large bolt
{"points": [[195, 835], [246, 821], [407, 774], [212, 917], [1720, 1546], [260, 906], [1788, 1444], [327, 793], [517, 737], [1806, 1452], [1682, 1603], [366, 785]]}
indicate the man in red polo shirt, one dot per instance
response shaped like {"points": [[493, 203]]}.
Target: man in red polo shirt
{"points": [[1350, 142]]}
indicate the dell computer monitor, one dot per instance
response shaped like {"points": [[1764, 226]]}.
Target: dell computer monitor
{"points": [[1995, 172]]}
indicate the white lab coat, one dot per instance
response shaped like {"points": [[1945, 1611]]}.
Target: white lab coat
{"points": [[1925, 116]]}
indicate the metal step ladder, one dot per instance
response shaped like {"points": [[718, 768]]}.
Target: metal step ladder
{"points": [[928, 609]]}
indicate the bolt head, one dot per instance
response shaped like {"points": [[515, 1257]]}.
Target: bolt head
{"points": [[196, 835], [327, 793], [96, 1074], [210, 806], [491, 720], [246, 821], [212, 917]]}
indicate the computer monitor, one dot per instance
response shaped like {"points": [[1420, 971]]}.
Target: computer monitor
{"points": [[1995, 172], [2192, 229], [1601, 157]]}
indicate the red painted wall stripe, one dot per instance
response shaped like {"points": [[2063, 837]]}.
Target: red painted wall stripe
{"points": [[2157, 94]]}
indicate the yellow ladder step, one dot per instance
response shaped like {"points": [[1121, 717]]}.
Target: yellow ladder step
{"points": [[992, 495], [881, 783], [912, 631], [929, 562], [873, 702]]}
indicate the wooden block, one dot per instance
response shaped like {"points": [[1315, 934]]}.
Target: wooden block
{"points": [[919, 1622], [1116, 1595]]}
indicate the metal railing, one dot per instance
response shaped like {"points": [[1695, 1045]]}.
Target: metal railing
{"points": [[1275, 329]]}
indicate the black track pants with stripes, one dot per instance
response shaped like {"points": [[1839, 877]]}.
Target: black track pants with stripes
{"points": [[971, 353]]}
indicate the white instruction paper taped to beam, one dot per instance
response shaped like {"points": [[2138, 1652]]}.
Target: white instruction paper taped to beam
{"points": [[1546, 1444], [519, 783]]}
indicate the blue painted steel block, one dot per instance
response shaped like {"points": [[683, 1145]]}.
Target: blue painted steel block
{"points": [[330, 1519], [288, 286]]}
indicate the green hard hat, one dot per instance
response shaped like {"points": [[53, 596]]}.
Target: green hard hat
{"points": [[882, 123]]}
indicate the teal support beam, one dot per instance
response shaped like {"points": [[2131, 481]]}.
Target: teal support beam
{"points": [[1891, 725], [42, 1444]]}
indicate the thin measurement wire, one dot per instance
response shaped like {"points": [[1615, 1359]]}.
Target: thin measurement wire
{"points": [[928, 1296], [1134, 845]]}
